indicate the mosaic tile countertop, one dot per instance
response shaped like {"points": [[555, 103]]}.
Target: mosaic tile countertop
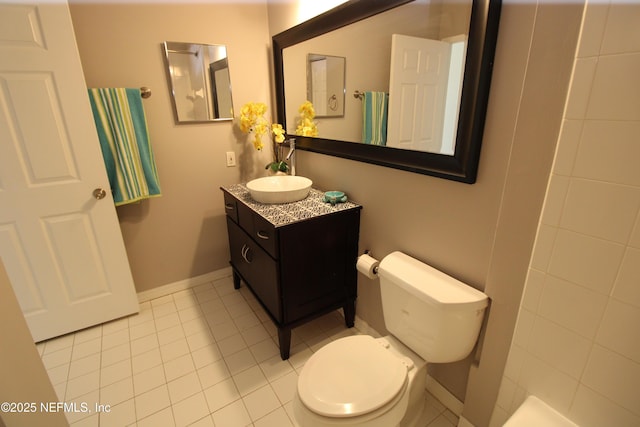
{"points": [[287, 213]]}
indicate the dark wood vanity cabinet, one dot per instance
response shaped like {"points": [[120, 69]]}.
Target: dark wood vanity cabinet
{"points": [[298, 259]]}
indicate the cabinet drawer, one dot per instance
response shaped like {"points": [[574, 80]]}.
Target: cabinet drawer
{"points": [[260, 230], [265, 234], [256, 268], [231, 206], [245, 218]]}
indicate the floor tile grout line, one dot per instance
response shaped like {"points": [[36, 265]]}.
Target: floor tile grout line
{"points": [[222, 359], [241, 398], [202, 389], [257, 364], [324, 330]]}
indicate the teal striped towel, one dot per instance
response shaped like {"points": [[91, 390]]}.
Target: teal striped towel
{"points": [[374, 117], [124, 140]]}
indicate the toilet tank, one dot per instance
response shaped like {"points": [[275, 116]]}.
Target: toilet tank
{"points": [[433, 314]]}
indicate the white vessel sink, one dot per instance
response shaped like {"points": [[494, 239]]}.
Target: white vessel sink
{"points": [[279, 188]]}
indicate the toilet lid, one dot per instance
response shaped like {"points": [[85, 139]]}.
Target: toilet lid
{"points": [[351, 376]]}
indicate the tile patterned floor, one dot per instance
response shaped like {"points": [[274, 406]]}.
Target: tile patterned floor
{"points": [[206, 356]]}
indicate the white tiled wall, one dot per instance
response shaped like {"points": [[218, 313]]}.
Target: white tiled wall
{"points": [[577, 340]]}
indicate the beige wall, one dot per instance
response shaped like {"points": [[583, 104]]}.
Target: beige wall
{"points": [[366, 69], [23, 377], [482, 233], [576, 344], [183, 233]]}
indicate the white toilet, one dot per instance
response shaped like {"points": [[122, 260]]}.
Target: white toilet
{"points": [[363, 381]]}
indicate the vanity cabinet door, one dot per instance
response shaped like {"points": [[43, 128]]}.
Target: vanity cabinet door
{"points": [[318, 257], [257, 269]]}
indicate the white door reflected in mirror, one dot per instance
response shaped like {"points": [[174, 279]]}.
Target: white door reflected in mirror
{"points": [[424, 93]]}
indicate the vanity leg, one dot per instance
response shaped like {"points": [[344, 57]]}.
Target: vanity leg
{"points": [[284, 340], [349, 309], [236, 280]]}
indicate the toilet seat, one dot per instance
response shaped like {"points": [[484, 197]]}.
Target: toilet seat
{"points": [[350, 377]]}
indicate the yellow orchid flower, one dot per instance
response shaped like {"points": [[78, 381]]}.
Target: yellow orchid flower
{"points": [[278, 132], [307, 127], [252, 121], [257, 142], [307, 111]]}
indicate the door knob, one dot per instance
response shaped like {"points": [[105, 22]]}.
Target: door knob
{"points": [[99, 193]]}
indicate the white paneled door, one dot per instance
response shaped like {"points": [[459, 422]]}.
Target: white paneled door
{"points": [[418, 81], [59, 240]]}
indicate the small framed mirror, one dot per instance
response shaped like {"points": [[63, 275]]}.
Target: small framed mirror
{"points": [[199, 80], [326, 84]]}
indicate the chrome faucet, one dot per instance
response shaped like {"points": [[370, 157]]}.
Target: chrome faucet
{"points": [[291, 157]]}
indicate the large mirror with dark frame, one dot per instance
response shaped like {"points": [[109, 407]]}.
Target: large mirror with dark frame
{"points": [[432, 127]]}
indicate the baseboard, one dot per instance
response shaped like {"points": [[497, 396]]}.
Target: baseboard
{"points": [[181, 285], [444, 396], [364, 327], [463, 422]]}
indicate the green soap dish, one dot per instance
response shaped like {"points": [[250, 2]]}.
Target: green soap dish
{"points": [[334, 197]]}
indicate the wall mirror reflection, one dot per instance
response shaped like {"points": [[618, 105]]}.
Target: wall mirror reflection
{"points": [[425, 63], [326, 84], [199, 81]]}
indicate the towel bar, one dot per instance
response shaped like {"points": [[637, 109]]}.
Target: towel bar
{"points": [[145, 92], [360, 95]]}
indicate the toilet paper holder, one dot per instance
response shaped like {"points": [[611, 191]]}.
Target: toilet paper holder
{"points": [[368, 252], [368, 265]]}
